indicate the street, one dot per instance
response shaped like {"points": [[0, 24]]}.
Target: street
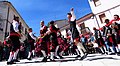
{"points": [[91, 60]]}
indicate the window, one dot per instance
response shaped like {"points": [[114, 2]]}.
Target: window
{"points": [[102, 18], [1, 25], [97, 2], [82, 26], [25, 31]]}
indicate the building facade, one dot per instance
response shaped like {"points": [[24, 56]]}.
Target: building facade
{"points": [[104, 9], [63, 25], [86, 23], [7, 12]]}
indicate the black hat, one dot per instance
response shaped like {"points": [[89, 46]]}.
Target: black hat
{"points": [[52, 22], [69, 13], [107, 20]]}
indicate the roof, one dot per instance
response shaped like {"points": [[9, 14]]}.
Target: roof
{"points": [[60, 20], [88, 16]]}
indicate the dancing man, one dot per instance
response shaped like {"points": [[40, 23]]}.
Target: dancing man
{"points": [[31, 41], [15, 35], [75, 34]]}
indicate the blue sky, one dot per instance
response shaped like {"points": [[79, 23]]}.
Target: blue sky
{"points": [[33, 11]]}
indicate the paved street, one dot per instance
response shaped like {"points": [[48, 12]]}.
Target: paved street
{"points": [[91, 60]]}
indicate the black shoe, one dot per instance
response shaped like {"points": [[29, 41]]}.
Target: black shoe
{"points": [[106, 53], [52, 60], [102, 53], [44, 59], [78, 56], [83, 57], [48, 57], [9, 63], [55, 57], [86, 54], [61, 57], [15, 60], [118, 53], [112, 54], [29, 59]]}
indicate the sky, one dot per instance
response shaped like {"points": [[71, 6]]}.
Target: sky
{"points": [[34, 11]]}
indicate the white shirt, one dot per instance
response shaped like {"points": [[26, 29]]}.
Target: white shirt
{"points": [[73, 16], [118, 22], [32, 36], [48, 31], [15, 26], [78, 28], [73, 19], [42, 28]]}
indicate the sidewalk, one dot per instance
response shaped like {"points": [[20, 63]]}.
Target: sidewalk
{"points": [[91, 60]]}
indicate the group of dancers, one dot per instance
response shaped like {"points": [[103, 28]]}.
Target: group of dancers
{"points": [[108, 37], [51, 39]]}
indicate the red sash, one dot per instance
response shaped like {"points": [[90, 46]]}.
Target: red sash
{"points": [[110, 39], [14, 34]]}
